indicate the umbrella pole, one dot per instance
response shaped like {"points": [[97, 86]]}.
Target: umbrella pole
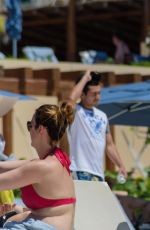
{"points": [[7, 132], [14, 48]]}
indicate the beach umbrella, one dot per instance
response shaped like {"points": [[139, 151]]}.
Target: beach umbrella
{"points": [[14, 23], [127, 104], [8, 99]]}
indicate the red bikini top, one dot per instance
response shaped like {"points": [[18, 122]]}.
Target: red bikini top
{"points": [[34, 201]]}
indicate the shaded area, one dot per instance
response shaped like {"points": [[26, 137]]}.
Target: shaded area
{"points": [[94, 26]]}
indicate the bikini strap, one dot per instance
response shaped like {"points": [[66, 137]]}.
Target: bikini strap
{"points": [[63, 158]]}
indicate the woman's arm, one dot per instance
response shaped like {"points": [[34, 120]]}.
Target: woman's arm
{"points": [[9, 165], [29, 173]]}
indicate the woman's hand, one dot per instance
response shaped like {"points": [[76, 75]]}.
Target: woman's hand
{"points": [[4, 208]]}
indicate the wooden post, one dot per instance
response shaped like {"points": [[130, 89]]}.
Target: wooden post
{"points": [[108, 78], [137, 77], [1, 71], [146, 19], [7, 132], [53, 77], [25, 73], [53, 86], [71, 32], [21, 74]]}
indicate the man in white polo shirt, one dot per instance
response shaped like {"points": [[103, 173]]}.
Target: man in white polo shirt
{"points": [[89, 135]]}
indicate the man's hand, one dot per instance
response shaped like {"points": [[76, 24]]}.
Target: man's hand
{"points": [[76, 92], [87, 76], [123, 171]]}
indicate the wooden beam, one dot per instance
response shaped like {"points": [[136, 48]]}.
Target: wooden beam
{"points": [[36, 87], [71, 75], [21, 74], [93, 17], [44, 22], [52, 76], [106, 16], [9, 84]]}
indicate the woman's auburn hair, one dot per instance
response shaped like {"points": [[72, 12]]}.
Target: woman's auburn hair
{"points": [[55, 118]]}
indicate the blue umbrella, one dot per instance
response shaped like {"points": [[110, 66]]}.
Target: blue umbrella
{"points": [[17, 95], [127, 104], [8, 99], [14, 22]]}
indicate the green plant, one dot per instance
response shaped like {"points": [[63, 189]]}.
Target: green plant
{"points": [[17, 193], [136, 187]]}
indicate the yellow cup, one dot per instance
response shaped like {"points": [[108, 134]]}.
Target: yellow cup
{"points": [[7, 197]]}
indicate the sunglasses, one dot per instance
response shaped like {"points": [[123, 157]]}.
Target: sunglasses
{"points": [[29, 125]]}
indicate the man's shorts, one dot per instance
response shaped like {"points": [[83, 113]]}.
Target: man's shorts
{"points": [[29, 224], [86, 176]]}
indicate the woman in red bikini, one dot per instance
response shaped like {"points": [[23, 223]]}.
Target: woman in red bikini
{"points": [[46, 184]]}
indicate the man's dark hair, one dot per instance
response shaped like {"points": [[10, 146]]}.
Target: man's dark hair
{"points": [[96, 80]]}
